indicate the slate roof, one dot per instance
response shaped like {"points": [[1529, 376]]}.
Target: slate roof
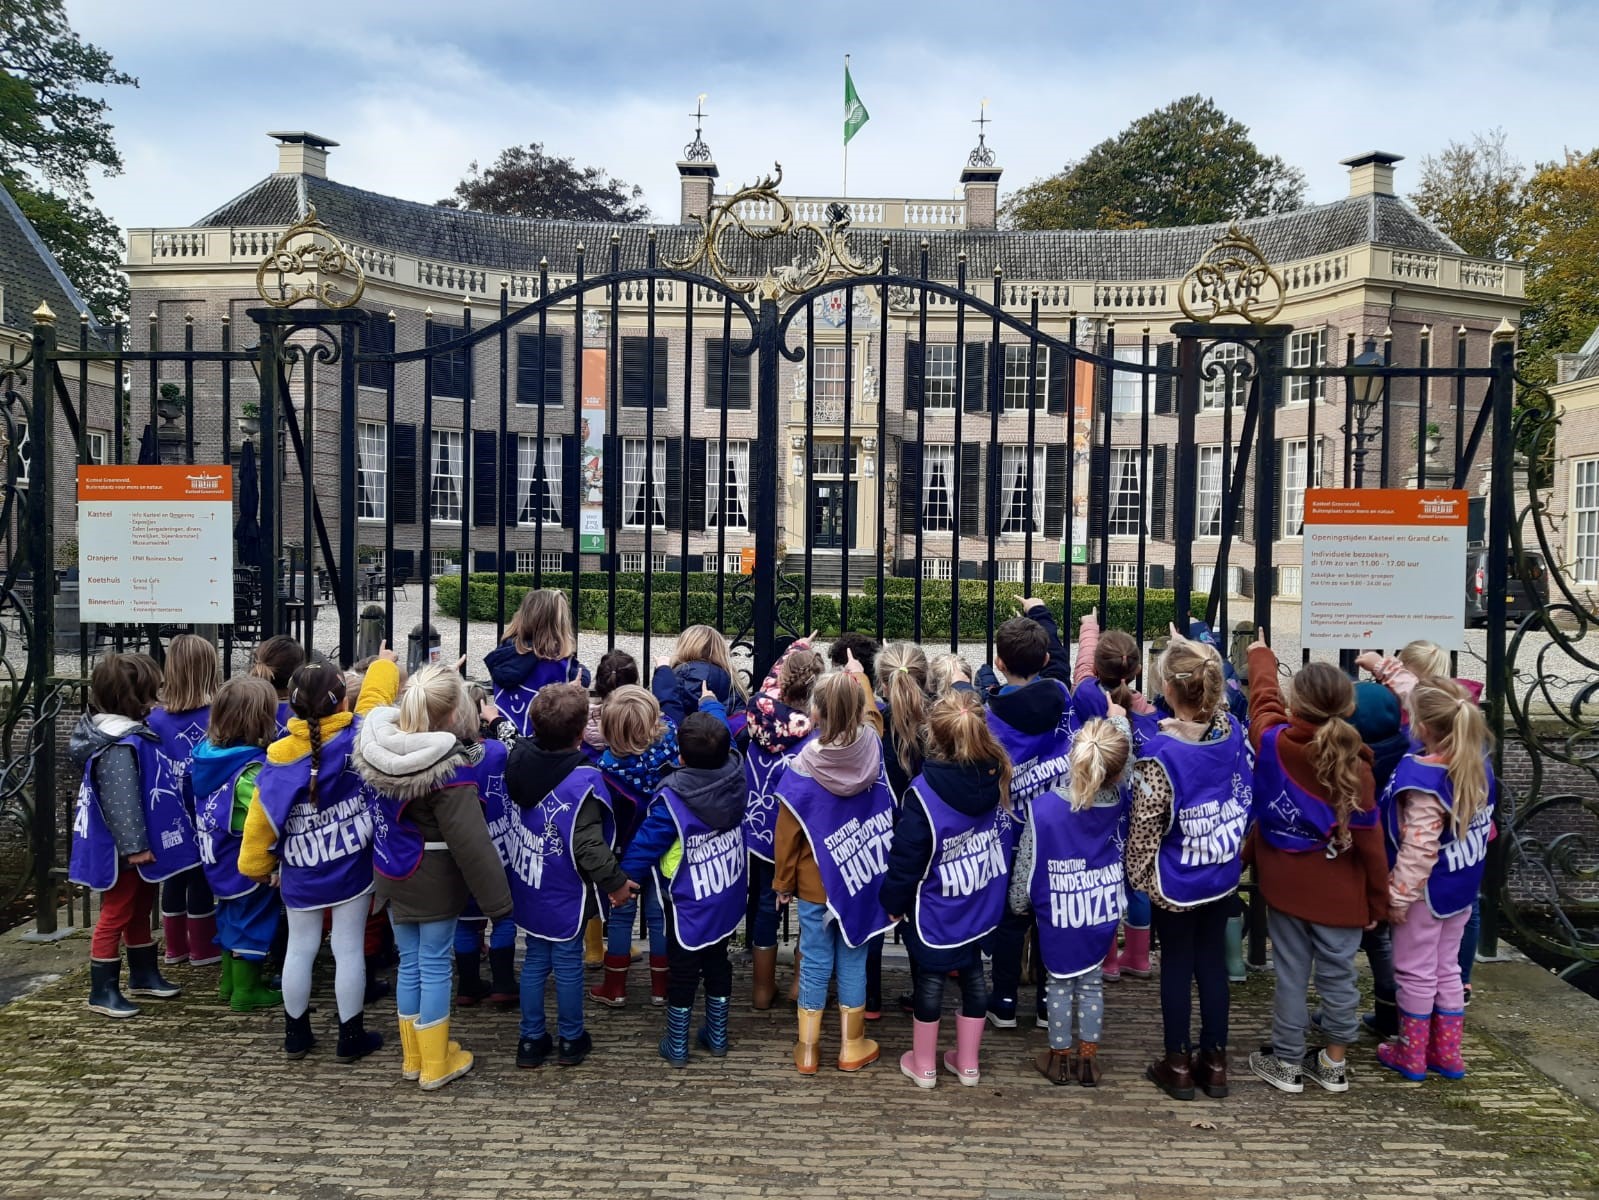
{"points": [[515, 244], [29, 273]]}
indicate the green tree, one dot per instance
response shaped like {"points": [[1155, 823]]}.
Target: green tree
{"points": [[524, 181], [1473, 192], [1186, 164], [1560, 225], [52, 134]]}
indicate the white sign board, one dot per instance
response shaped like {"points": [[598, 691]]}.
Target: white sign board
{"points": [[155, 544], [1384, 566]]}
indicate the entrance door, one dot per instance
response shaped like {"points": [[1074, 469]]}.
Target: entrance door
{"points": [[831, 527]]}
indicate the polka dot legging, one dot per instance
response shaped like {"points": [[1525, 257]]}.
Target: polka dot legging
{"points": [[1087, 993]]}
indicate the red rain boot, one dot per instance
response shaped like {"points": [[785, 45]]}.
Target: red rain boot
{"points": [[1407, 1054], [1135, 952], [204, 950], [660, 976], [1111, 967], [175, 934], [1443, 1045], [612, 990]]}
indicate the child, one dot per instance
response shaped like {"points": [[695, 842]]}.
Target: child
{"points": [[1417, 660], [310, 826], [1439, 820], [1056, 664], [559, 844], [857, 645], [1318, 858], [486, 753], [222, 778], [903, 701], [1078, 908], [944, 671], [539, 649], [702, 657], [692, 844], [431, 852], [129, 814], [1191, 801], [188, 909], [276, 661], [833, 832], [617, 669], [640, 751], [946, 871], [779, 725], [1377, 721]]}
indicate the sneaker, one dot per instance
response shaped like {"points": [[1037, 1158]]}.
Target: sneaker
{"points": [[1283, 1076], [575, 1050], [532, 1053], [1319, 1069], [1002, 1015]]}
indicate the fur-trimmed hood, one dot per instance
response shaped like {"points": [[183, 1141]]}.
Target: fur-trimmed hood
{"points": [[406, 766]]}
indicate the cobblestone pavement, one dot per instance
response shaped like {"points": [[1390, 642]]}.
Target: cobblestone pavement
{"points": [[192, 1101]]}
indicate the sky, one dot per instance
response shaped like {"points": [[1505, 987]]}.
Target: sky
{"points": [[414, 92]]}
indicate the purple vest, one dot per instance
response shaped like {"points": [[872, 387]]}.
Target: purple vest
{"points": [[1090, 701], [1457, 876], [180, 733], [284, 713], [1078, 887], [324, 850], [548, 892], [849, 839], [1290, 818], [962, 896], [490, 778], [627, 807], [1041, 760], [1198, 860], [169, 829], [513, 702], [219, 845], [762, 771], [709, 890]]}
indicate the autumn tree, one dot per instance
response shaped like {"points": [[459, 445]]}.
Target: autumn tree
{"points": [[1186, 164], [1472, 191], [524, 181], [1560, 226]]}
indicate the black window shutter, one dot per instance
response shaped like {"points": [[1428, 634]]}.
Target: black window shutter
{"points": [[509, 483], [536, 357], [696, 484], [569, 562], [1157, 575], [404, 468], [1160, 494], [914, 376], [968, 570], [633, 372], [1059, 363], [976, 378], [508, 564], [611, 493], [1099, 488], [571, 481], [1165, 385], [484, 560], [484, 510], [1277, 493], [554, 367], [738, 376], [674, 483], [1054, 490], [404, 562], [1054, 572], [377, 337], [662, 347], [449, 369], [910, 486], [971, 480], [1096, 572]]}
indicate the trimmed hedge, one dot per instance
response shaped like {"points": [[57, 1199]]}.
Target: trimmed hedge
{"points": [[898, 604]]}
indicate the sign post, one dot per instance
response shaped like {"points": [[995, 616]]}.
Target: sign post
{"points": [[591, 514]]}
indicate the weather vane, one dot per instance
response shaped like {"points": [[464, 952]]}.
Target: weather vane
{"points": [[697, 150], [982, 156]]}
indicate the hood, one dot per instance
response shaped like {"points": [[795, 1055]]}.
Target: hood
{"points": [[843, 770], [691, 674], [774, 726], [95, 731], [212, 766], [1376, 715], [507, 668], [716, 795], [1037, 708], [406, 766], [969, 788], [532, 772]]}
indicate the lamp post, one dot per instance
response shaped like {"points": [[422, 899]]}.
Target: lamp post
{"points": [[1364, 397]]}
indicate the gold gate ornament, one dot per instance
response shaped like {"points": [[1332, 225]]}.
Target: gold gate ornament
{"points": [[323, 258], [1235, 279]]}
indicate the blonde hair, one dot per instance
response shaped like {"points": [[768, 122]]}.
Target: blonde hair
{"points": [[1324, 696], [958, 732], [941, 672], [701, 643], [543, 625], [1441, 708], [1099, 756], [798, 676], [838, 709], [630, 720], [437, 699], [192, 675], [1192, 676], [1425, 659], [902, 681]]}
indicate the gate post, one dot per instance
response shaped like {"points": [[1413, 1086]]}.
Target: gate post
{"points": [[270, 350], [41, 646], [1188, 351], [1269, 361], [764, 468], [347, 594]]}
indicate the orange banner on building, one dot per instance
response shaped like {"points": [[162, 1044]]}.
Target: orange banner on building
{"points": [[128, 482], [1384, 506]]}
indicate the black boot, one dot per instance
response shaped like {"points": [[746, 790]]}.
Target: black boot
{"points": [[376, 986], [354, 1041], [503, 989], [105, 989], [297, 1036], [469, 985], [144, 976]]}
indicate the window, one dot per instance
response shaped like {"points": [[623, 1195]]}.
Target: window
{"points": [[1205, 579], [445, 562], [1307, 349], [1295, 478], [1016, 359], [1214, 393], [1021, 507], [938, 487], [635, 505], [1288, 581], [445, 502], [94, 448], [827, 458], [939, 376], [633, 563], [372, 470], [727, 475], [732, 563], [1210, 499], [530, 506], [526, 561], [1585, 507], [1009, 570], [1121, 574], [1126, 493], [550, 560], [829, 383], [1127, 387], [937, 568]]}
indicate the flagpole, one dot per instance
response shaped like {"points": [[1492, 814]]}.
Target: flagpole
{"points": [[844, 194]]}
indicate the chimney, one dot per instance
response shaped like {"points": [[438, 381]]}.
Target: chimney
{"points": [[1372, 173], [301, 153], [698, 182], [982, 196]]}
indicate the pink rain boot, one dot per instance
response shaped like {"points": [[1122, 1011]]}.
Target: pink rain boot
{"points": [[1135, 952], [1443, 1046], [961, 1062], [1112, 965], [1407, 1054], [175, 935], [204, 949], [920, 1063]]}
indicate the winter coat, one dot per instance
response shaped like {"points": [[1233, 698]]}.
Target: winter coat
{"points": [[716, 795], [688, 677], [116, 775], [531, 773], [509, 668]]}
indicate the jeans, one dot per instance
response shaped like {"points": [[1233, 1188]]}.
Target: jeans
{"points": [[822, 950], [1138, 909], [929, 989], [1300, 950], [1076, 1009], [1005, 946], [1427, 961], [1468, 941], [688, 967], [565, 961], [469, 934], [1378, 944], [1193, 947], [187, 894], [422, 984], [761, 926], [124, 915], [248, 924], [623, 919]]}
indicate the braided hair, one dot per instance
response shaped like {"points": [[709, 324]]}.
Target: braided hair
{"points": [[316, 692]]}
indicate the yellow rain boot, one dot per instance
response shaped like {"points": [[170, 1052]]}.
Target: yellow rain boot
{"points": [[442, 1059], [855, 1049], [807, 1057], [594, 943], [410, 1053]]}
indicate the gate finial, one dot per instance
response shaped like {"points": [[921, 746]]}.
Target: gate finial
{"points": [[323, 254], [43, 315], [1235, 280]]}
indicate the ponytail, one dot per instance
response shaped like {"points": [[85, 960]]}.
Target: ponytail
{"points": [[1116, 665], [1324, 696], [902, 681], [316, 692], [1441, 708], [1099, 756], [958, 732], [313, 727]]}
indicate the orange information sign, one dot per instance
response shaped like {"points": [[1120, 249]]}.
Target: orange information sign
{"points": [[746, 561]]}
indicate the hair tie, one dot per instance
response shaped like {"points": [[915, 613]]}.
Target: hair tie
{"points": [[1181, 674], [902, 670]]}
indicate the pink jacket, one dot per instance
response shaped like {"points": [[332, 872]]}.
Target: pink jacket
{"points": [[1087, 642]]}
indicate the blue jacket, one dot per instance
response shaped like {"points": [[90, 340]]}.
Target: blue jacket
{"points": [[716, 795], [688, 677], [508, 669]]}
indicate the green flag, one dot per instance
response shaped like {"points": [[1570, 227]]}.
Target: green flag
{"points": [[855, 114]]}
